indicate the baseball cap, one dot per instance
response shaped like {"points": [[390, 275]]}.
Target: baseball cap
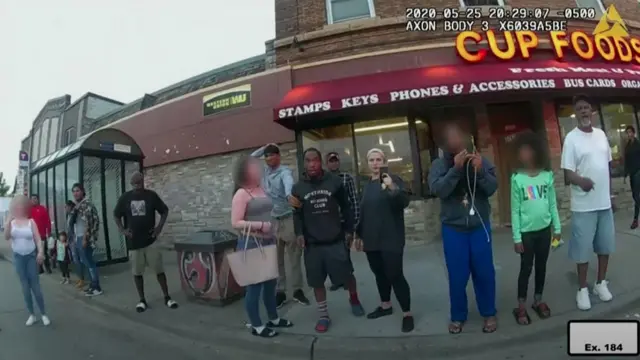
{"points": [[271, 149], [333, 156]]}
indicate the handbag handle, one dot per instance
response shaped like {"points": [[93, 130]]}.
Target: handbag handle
{"points": [[247, 234]]}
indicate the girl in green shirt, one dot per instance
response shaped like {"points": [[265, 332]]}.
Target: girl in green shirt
{"points": [[534, 218]]}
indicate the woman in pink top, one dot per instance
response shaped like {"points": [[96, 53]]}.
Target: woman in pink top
{"points": [[251, 209]]}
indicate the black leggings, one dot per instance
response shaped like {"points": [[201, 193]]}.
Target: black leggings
{"points": [[536, 251], [634, 181], [387, 268]]}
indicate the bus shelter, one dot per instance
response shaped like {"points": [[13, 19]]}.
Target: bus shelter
{"points": [[103, 162]]}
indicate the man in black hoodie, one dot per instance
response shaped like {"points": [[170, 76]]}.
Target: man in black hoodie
{"points": [[632, 170], [321, 232]]}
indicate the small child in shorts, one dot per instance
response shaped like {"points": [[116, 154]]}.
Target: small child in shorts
{"points": [[63, 256]]}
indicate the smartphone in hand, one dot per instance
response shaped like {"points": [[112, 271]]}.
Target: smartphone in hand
{"points": [[384, 172], [471, 146]]}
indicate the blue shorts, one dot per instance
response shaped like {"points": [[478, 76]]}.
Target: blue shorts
{"points": [[592, 231]]}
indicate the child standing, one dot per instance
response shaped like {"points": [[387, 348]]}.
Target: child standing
{"points": [[63, 256], [534, 213]]}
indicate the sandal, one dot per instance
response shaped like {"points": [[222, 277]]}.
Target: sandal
{"points": [[490, 325], [265, 333], [281, 323], [455, 327], [521, 315], [542, 309], [322, 326]]}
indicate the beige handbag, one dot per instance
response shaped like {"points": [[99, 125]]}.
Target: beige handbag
{"points": [[253, 266]]}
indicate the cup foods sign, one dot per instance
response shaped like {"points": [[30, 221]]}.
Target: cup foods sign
{"points": [[571, 77], [226, 100]]}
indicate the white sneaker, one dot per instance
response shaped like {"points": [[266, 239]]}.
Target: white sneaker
{"points": [[31, 320], [45, 320], [602, 290], [582, 299]]}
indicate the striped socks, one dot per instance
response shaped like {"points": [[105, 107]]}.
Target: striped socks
{"points": [[323, 310]]}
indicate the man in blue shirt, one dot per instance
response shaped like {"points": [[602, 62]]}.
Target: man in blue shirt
{"points": [[277, 181]]}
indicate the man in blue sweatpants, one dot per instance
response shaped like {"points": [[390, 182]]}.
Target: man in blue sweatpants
{"points": [[464, 181]]}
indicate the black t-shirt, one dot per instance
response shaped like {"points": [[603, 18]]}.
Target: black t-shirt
{"points": [[139, 208]]}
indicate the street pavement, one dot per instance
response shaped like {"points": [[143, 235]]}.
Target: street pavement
{"points": [[202, 326], [81, 331]]}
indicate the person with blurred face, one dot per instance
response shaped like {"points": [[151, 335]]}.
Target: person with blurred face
{"points": [[28, 252], [381, 235], [464, 181], [319, 229], [251, 210], [586, 158], [333, 165], [86, 225], [138, 208], [632, 170], [277, 181], [40, 216]]}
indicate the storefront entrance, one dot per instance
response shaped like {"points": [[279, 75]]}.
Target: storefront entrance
{"points": [[506, 122]]}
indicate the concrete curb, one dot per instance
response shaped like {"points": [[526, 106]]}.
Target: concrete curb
{"points": [[300, 346]]}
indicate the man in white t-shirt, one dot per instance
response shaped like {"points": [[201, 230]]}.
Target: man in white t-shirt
{"points": [[585, 159]]}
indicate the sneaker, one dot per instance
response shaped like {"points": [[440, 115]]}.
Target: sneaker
{"points": [[141, 306], [407, 324], [63, 281], [379, 312], [602, 290], [31, 320], [281, 299], [634, 225], [45, 320], [93, 292], [582, 299], [298, 296], [356, 309]]}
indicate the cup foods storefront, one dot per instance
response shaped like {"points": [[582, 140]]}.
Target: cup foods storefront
{"points": [[495, 92]]}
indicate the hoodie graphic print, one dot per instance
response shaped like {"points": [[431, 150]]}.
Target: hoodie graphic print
{"points": [[319, 218]]}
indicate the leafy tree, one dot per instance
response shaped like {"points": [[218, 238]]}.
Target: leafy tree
{"points": [[4, 188]]}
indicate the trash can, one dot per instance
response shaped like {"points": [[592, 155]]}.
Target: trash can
{"points": [[204, 271]]}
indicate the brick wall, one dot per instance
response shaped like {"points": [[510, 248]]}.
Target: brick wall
{"points": [[316, 40]]}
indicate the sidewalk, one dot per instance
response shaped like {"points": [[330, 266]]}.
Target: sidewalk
{"points": [[426, 274]]}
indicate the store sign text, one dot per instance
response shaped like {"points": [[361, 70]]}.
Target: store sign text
{"points": [[509, 45], [477, 87]]}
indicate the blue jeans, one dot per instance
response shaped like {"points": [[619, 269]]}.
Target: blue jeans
{"points": [[252, 301], [27, 270], [252, 292], [469, 254], [76, 250], [86, 256]]}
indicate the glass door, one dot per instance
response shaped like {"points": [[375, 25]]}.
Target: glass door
{"points": [[113, 190]]}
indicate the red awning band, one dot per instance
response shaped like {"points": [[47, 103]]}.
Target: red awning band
{"points": [[432, 82]]}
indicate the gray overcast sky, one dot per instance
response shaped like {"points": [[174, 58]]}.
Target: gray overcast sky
{"points": [[118, 48]]}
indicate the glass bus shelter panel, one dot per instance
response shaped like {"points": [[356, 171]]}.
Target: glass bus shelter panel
{"points": [[92, 185], [60, 199], [73, 175], [130, 167], [113, 190], [42, 187], [50, 205]]}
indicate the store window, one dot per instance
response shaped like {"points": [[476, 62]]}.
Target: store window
{"points": [[337, 138], [427, 150], [347, 10], [392, 137], [616, 118]]}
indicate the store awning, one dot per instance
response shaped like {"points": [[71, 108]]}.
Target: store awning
{"points": [[443, 81]]}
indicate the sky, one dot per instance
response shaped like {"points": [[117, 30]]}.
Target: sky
{"points": [[120, 49]]}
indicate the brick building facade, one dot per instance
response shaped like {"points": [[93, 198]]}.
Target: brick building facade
{"points": [[189, 153]]}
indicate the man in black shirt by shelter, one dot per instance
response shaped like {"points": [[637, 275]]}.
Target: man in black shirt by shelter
{"points": [[138, 207]]}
